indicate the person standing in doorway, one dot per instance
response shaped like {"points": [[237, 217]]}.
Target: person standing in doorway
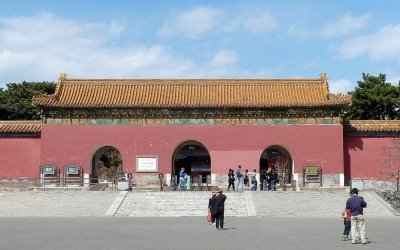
{"points": [[356, 204], [240, 177], [182, 179], [219, 210], [269, 179], [263, 180], [231, 180]]}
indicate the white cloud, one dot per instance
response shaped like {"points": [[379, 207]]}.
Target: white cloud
{"points": [[309, 65], [297, 31], [39, 47], [345, 25], [254, 21], [191, 23], [224, 58], [381, 45], [341, 85], [392, 76]]}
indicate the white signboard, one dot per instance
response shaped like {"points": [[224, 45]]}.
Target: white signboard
{"points": [[146, 164]]}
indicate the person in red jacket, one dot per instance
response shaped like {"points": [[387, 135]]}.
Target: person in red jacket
{"points": [[346, 215]]}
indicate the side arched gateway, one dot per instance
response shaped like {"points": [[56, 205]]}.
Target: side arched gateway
{"points": [[106, 164], [194, 158], [277, 159]]}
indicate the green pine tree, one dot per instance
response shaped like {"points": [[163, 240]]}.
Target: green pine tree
{"points": [[374, 99]]}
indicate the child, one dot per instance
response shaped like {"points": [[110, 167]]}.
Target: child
{"points": [[346, 215]]}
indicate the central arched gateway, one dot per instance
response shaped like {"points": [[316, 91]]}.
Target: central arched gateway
{"points": [[194, 157], [278, 159]]}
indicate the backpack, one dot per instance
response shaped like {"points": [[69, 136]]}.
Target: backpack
{"points": [[239, 174]]}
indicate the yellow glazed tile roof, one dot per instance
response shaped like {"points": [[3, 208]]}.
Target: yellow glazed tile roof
{"points": [[374, 126], [192, 93], [20, 126]]}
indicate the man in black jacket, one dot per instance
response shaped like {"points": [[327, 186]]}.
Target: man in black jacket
{"points": [[231, 180], [356, 204], [219, 210], [263, 180]]}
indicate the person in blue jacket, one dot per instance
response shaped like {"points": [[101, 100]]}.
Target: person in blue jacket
{"points": [[182, 179]]}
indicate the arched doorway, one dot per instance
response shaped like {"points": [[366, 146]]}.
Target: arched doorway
{"points": [[106, 164], [194, 157], [278, 159]]}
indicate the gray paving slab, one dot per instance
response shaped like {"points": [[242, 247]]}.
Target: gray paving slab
{"points": [[55, 203], [193, 233], [147, 204], [311, 204], [251, 210]]}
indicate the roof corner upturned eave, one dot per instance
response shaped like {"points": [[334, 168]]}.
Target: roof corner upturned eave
{"points": [[50, 100]]}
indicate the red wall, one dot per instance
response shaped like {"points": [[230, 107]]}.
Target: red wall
{"points": [[19, 157], [228, 145], [365, 157]]}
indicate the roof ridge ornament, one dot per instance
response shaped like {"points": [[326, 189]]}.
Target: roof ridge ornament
{"points": [[324, 79], [60, 82]]}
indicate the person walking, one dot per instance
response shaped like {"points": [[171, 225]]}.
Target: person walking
{"points": [[182, 179], [246, 179], [211, 204], [356, 204], [240, 177], [346, 215], [231, 180], [254, 181], [219, 210]]}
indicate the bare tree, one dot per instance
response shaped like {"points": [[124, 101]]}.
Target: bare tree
{"points": [[281, 165], [390, 167]]}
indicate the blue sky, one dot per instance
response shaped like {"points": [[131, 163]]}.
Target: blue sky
{"points": [[199, 39]]}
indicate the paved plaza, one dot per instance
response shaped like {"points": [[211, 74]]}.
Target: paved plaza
{"points": [[190, 233], [175, 204], [170, 220]]}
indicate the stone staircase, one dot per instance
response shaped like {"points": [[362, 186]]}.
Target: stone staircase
{"points": [[313, 204], [175, 204], [260, 204]]}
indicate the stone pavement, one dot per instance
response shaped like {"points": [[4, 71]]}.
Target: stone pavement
{"points": [[155, 204], [312, 204], [55, 203], [194, 233]]}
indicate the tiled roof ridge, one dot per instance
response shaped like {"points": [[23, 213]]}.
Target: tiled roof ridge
{"points": [[20, 122], [192, 81], [186, 92], [373, 125], [374, 121], [20, 127]]}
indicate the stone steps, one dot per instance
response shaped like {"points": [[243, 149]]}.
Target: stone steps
{"points": [[312, 204], [265, 204], [156, 204]]}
